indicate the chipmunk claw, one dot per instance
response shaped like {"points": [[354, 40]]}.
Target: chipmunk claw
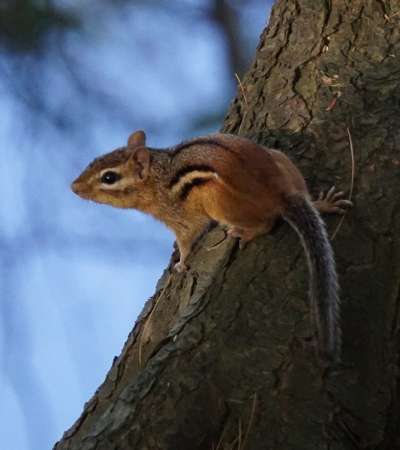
{"points": [[332, 202]]}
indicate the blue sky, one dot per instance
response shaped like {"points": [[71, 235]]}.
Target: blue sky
{"points": [[75, 275]]}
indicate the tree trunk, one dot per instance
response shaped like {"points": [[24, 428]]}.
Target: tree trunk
{"points": [[223, 357]]}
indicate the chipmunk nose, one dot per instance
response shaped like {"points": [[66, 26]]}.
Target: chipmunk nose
{"points": [[76, 187]]}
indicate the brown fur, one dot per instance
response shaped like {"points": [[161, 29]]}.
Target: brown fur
{"points": [[219, 177]]}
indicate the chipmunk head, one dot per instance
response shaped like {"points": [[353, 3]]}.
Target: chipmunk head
{"points": [[116, 177]]}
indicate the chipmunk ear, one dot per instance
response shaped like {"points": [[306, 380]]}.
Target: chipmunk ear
{"points": [[137, 139], [140, 161]]}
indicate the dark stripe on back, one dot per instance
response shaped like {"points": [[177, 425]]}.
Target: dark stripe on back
{"points": [[204, 141], [187, 169], [189, 186]]}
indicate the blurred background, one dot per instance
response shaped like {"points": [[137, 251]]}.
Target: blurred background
{"points": [[76, 77]]}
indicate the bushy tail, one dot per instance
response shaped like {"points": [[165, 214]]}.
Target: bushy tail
{"points": [[306, 220]]}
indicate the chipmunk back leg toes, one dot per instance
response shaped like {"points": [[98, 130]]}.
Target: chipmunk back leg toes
{"points": [[333, 202]]}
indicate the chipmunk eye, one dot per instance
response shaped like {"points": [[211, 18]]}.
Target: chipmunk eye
{"points": [[110, 177]]}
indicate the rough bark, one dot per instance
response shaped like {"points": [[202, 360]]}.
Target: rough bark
{"points": [[225, 353]]}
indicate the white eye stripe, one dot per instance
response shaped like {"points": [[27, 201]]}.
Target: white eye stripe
{"points": [[110, 169], [118, 185]]}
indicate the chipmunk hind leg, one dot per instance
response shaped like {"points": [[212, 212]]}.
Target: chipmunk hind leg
{"points": [[246, 234], [245, 217]]}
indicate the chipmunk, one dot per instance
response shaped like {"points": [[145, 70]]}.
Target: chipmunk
{"points": [[233, 181]]}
